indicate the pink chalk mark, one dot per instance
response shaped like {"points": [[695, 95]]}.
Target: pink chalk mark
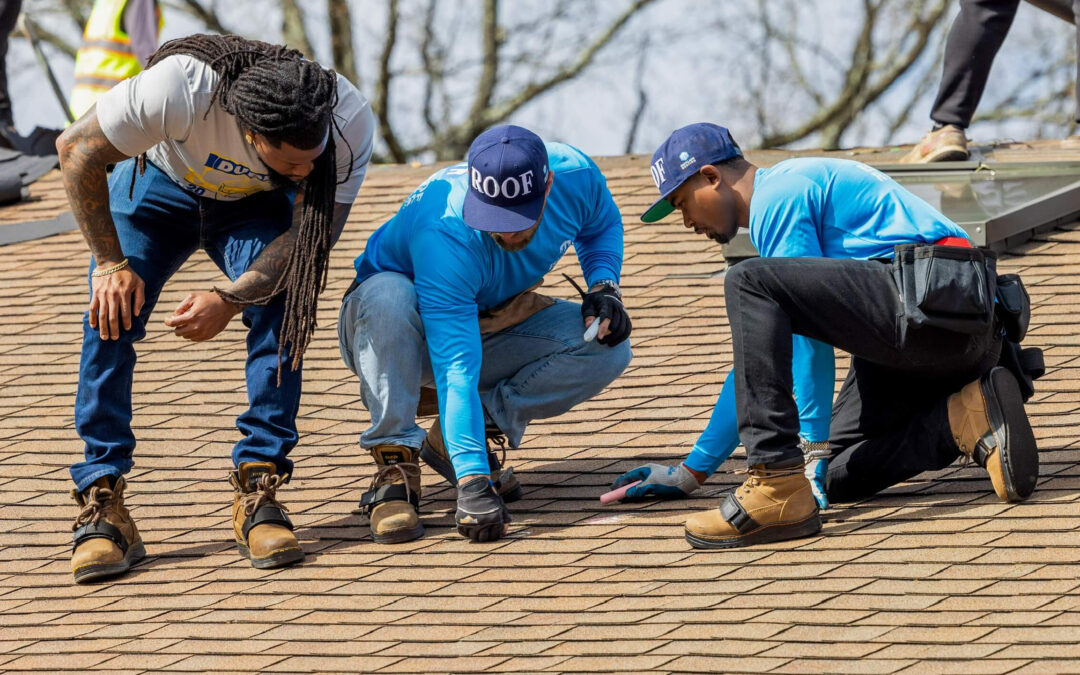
{"points": [[616, 495]]}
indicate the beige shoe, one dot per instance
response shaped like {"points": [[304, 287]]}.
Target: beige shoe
{"points": [[107, 543], [433, 452], [990, 426], [947, 144], [264, 533], [393, 502], [772, 505]]}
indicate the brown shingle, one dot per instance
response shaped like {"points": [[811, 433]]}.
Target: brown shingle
{"points": [[934, 575]]}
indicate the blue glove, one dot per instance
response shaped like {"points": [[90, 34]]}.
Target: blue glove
{"points": [[815, 473], [658, 480]]}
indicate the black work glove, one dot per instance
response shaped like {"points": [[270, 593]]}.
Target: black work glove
{"points": [[606, 303]]}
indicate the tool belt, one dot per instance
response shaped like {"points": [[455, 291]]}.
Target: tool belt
{"points": [[946, 287], [513, 311], [957, 288]]}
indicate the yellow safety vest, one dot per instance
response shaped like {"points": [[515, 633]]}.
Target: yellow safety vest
{"points": [[105, 57]]}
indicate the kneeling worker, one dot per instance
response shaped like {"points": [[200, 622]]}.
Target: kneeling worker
{"points": [[443, 294], [923, 388]]}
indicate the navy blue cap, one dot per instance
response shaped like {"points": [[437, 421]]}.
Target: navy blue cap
{"points": [[508, 171], [684, 152]]}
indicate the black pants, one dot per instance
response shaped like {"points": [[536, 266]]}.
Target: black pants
{"points": [[9, 13], [889, 421], [974, 40]]}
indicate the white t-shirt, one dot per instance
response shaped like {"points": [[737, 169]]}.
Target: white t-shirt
{"points": [[160, 112]]}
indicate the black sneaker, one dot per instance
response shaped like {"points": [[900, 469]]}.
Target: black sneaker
{"points": [[481, 514], [433, 452]]}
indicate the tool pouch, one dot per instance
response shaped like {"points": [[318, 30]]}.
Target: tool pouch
{"points": [[946, 287], [1013, 306]]}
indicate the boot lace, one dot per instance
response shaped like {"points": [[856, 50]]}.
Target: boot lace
{"points": [[757, 474], [97, 500], [497, 438], [265, 492], [405, 470]]}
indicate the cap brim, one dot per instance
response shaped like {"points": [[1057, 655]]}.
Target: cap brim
{"points": [[485, 217], [660, 209]]}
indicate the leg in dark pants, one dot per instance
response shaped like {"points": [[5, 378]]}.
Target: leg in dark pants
{"points": [[889, 425], [9, 14], [973, 42], [854, 306]]}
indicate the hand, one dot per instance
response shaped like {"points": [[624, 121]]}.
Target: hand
{"points": [[201, 316], [816, 469], [112, 301], [659, 480], [603, 304]]}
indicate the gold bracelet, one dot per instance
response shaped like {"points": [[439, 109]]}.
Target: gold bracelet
{"points": [[109, 270]]}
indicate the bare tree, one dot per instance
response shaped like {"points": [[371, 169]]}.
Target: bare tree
{"points": [[878, 59]]}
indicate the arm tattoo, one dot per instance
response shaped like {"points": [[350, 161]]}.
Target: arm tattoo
{"points": [[84, 153], [263, 279]]}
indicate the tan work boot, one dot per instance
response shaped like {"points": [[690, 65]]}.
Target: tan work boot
{"points": [[107, 543], [989, 425], [772, 505], [263, 532], [947, 144], [392, 504], [433, 452]]}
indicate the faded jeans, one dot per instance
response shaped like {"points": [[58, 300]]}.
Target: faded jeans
{"points": [[537, 369]]}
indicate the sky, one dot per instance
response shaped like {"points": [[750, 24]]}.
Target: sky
{"points": [[688, 79]]}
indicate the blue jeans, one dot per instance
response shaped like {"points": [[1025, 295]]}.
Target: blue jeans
{"points": [[539, 368], [159, 227]]}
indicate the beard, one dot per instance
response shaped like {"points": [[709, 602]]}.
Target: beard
{"points": [[514, 247], [280, 180]]}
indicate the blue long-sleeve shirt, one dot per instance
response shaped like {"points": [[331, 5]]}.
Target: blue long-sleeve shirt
{"points": [[820, 208], [459, 271]]}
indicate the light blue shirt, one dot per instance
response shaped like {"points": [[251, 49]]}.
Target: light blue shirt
{"points": [[820, 208], [459, 271]]}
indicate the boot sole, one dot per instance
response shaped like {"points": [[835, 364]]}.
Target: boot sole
{"points": [[509, 493], [948, 153], [399, 536], [763, 535], [282, 558], [1018, 452], [87, 573]]}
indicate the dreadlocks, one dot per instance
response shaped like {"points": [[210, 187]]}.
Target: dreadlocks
{"points": [[275, 92]]}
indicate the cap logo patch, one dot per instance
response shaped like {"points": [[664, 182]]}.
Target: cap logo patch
{"points": [[657, 170], [511, 187]]}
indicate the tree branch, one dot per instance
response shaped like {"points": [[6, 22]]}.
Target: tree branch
{"points": [[490, 72], [341, 39], [381, 105], [293, 31], [207, 15]]}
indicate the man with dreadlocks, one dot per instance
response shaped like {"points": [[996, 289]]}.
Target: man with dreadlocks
{"points": [[443, 297], [254, 154]]}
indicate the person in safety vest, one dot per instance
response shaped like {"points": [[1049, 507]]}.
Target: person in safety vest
{"points": [[119, 38], [924, 387]]}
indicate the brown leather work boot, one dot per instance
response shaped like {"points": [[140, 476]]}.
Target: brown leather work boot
{"points": [[947, 144], [772, 505], [107, 543], [262, 529], [434, 454], [392, 504], [989, 425]]}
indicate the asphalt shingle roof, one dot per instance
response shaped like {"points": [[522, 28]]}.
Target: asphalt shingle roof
{"points": [[933, 575]]}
